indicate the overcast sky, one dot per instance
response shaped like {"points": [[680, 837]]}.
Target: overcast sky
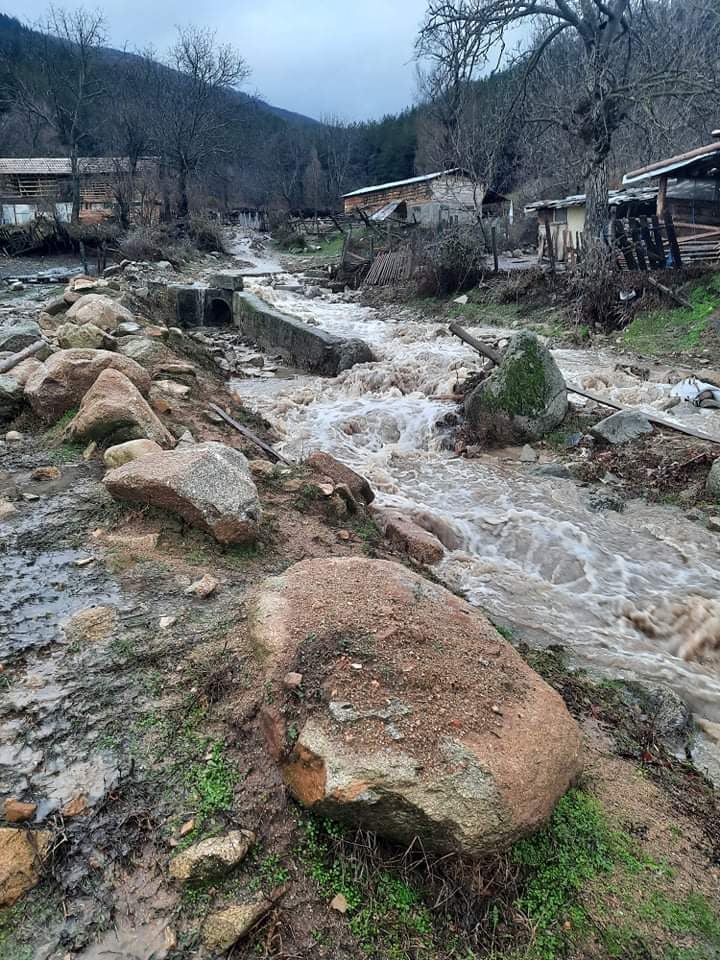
{"points": [[316, 57]]}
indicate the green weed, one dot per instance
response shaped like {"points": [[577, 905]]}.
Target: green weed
{"points": [[214, 782], [664, 331]]}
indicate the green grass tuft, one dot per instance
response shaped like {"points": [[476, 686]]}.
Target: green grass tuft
{"points": [[667, 331]]}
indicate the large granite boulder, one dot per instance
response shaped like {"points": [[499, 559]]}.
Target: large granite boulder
{"points": [[115, 411], [416, 718], [524, 398], [66, 376], [86, 336], [101, 311], [19, 335], [208, 484]]}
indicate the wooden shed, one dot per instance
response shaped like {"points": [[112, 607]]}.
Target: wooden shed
{"points": [[431, 200], [35, 186]]}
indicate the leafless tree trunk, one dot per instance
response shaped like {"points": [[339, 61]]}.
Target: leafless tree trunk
{"points": [[65, 83]]}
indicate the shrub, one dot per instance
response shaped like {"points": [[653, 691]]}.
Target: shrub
{"points": [[452, 262]]}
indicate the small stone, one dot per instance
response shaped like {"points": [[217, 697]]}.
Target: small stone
{"points": [[527, 454], [84, 561], [6, 509], [187, 828], [339, 903], [90, 625], [262, 468], [213, 857], [292, 680], [89, 450], [713, 522], [326, 489], [204, 587], [21, 855], [344, 535], [293, 485], [167, 622], [15, 811], [46, 473], [225, 927], [74, 807], [13, 436]]}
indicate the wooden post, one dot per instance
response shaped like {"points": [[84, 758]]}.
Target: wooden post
{"points": [[493, 237], [549, 239], [661, 197], [655, 256], [634, 225], [624, 244], [672, 240], [657, 234]]}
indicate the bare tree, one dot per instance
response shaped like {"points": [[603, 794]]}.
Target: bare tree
{"points": [[64, 82], [337, 146], [617, 64], [193, 105]]}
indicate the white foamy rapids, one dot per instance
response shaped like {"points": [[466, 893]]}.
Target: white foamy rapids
{"points": [[528, 548]]}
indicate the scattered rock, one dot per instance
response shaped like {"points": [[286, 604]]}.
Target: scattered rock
{"points": [[621, 427], [11, 397], [211, 858], [113, 409], [15, 811], [208, 484], [475, 784], [409, 537], [46, 473], [91, 624], [339, 903], [338, 472], [143, 350], [262, 468], [127, 329], [522, 399], [6, 509], [21, 856], [130, 450], [204, 587], [101, 311], [56, 306], [528, 455], [712, 484], [75, 807], [13, 436], [292, 680], [65, 377], [171, 388], [462, 300], [225, 927], [85, 337], [19, 335]]}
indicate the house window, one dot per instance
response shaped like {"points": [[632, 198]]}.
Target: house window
{"points": [[560, 215]]}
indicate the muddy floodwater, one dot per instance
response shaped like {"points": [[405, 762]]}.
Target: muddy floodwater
{"points": [[525, 546]]}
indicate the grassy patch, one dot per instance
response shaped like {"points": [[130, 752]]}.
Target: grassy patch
{"points": [[330, 245], [667, 331], [214, 782]]}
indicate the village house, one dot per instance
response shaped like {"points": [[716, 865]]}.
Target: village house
{"points": [[431, 200], [564, 218], [42, 186]]}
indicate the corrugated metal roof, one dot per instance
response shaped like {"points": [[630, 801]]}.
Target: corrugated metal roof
{"points": [[60, 166], [401, 183], [678, 162], [615, 198]]}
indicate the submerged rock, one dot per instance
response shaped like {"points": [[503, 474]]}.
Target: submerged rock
{"points": [[419, 719], [408, 536], [21, 857], [213, 857], [114, 409], [522, 399], [208, 484], [621, 427], [65, 377]]}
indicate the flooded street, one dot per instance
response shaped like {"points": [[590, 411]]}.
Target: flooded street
{"points": [[525, 546]]}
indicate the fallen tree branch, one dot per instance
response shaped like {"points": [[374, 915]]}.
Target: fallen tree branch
{"points": [[473, 342], [17, 358], [652, 417], [249, 435], [681, 301]]}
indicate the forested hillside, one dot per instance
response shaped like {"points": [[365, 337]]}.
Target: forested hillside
{"points": [[517, 135]]}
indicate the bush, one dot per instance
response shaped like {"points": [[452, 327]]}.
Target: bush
{"points": [[207, 235], [287, 239], [452, 262]]}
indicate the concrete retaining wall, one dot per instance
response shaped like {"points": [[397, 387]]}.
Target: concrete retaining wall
{"points": [[302, 345]]}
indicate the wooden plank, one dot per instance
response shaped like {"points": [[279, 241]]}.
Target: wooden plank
{"points": [[249, 435], [550, 248], [652, 417], [672, 240]]}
